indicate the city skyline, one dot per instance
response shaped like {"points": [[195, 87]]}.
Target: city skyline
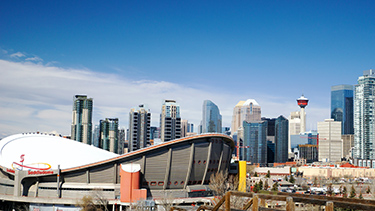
{"points": [[127, 53]]}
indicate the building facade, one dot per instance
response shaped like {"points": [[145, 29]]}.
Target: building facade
{"points": [[81, 129], [248, 110], [342, 107], [348, 144], [122, 147], [294, 127], [364, 121], [187, 128], [109, 135], [170, 121], [330, 143], [211, 117], [139, 127], [281, 139], [308, 152], [255, 139]]}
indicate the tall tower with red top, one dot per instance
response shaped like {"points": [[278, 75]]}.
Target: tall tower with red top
{"points": [[302, 102]]}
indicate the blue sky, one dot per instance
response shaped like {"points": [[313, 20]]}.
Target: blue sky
{"points": [[145, 51]]}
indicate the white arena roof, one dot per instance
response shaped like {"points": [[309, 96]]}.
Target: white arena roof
{"points": [[42, 152]]}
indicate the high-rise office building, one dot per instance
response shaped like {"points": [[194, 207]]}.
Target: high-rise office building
{"points": [[342, 107], [82, 119], [187, 128], [211, 117], [139, 127], [364, 121], [154, 133], [348, 144], [281, 139], [109, 135], [121, 141], [96, 136], [294, 127], [270, 128], [308, 152], [270, 139], [170, 121], [270, 151], [330, 143], [255, 138], [248, 110], [190, 127]]}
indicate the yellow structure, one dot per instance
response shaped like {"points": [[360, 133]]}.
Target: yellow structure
{"points": [[242, 176]]}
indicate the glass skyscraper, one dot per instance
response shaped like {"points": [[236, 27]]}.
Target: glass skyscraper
{"points": [[281, 139], [255, 139], [81, 129], [342, 107], [211, 118], [364, 122]]}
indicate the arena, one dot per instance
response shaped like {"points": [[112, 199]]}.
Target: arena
{"points": [[44, 169]]}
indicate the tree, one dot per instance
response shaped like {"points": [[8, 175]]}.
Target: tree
{"points": [[260, 185], [315, 181], [88, 203], [250, 169], [352, 192], [344, 192], [360, 195], [255, 174], [330, 190], [268, 175], [266, 185], [218, 183], [256, 188], [368, 191], [291, 179], [275, 186], [340, 189], [168, 201]]}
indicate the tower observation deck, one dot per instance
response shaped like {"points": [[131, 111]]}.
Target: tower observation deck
{"points": [[302, 101]]}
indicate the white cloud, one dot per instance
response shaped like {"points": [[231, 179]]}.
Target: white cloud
{"points": [[17, 55], [35, 59], [39, 97]]}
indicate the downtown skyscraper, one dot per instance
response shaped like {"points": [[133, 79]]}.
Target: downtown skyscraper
{"points": [[342, 107], [109, 134], [139, 128], [170, 121], [281, 139], [248, 110], [330, 142], [255, 140], [364, 121], [211, 118], [81, 129]]}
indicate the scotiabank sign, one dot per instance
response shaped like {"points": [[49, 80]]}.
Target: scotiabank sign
{"points": [[31, 172], [11, 171], [39, 172]]}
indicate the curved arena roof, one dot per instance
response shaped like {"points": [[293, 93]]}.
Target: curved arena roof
{"points": [[41, 152]]}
